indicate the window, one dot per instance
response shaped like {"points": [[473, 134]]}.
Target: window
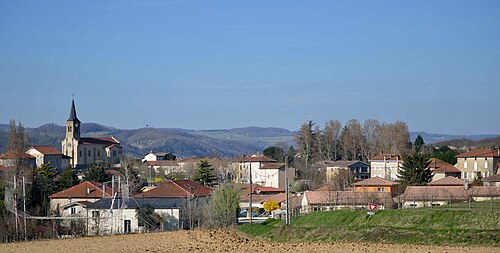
{"points": [[73, 210], [98, 153], [465, 164], [114, 153], [80, 153], [95, 214], [485, 165], [364, 170], [89, 153], [381, 189], [475, 166]]}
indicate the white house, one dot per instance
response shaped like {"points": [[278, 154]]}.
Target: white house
{"points": [[83, 193], [120, 216], [155, 156], [49, 156], [386, 166]]}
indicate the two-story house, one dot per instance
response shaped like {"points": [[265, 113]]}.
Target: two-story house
{"points": [[357, 169], [49, 156], [263, 171], [478, 163], [386, 166]]}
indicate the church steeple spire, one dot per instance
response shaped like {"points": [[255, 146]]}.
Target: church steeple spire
{"points": [[73, 123], [72, 113]]}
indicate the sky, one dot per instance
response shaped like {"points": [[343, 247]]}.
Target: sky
{"points": [[224, 64]]}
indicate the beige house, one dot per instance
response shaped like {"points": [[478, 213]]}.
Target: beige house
{"points": [[441, 169], [49, 156], [88, 151], [478, 163], [386, 166]]}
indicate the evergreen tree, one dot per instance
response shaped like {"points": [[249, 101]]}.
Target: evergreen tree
{"points": [[419, 142], [67, 178], [205, 174], [43, 186], [415, 170], [147, 217], [275, 153], [97, 173]]}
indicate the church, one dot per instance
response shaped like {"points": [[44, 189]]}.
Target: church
{"points": [[87, 151]]}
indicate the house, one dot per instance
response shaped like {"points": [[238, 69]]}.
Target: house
{"points": [[156, 156], [84, 192], [448, 181], [259, 194], [441, 169], [13, 159], [294, 201], [314, 201], [177, 189], [427, 196], [492, 180], [120, 216], [478, 163], [222, 168], [377, 184], [263, 171], [358, 170], [49, 156], [164, 167], [87, 151], [386, 166]]}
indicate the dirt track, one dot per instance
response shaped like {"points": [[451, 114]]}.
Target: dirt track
{"points": [[211, 241]]}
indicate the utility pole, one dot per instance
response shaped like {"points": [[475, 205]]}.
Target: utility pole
{"points": [[287, 192], [251, 190], [24, 209], [15, 207]]}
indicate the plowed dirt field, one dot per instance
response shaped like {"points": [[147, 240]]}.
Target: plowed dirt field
{"points": [[212, 241]]}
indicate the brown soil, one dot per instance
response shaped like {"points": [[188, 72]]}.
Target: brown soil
{"points": [[212, 241]]}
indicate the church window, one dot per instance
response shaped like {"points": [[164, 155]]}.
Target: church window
{"points": [[69, 129], [89, 152]]}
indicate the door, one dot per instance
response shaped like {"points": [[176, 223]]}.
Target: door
{"points": [[127, 226]]}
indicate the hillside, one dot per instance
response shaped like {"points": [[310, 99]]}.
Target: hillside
{"points": [[419, 226], [182, 142], [185, 143]]}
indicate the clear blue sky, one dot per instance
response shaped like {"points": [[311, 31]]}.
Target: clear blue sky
{"points": [[225, 64]]}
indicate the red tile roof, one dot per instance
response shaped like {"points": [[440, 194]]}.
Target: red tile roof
{"points": [[386, 157], [347, 198], [278, 198], [375, 181], [480, 152], [261, 190], [108, 141], [434, 192], [87, 189], [177, 188], [256, 159], [437, 165], [162, 163], [494, 178], [273, 166], [449, 181], [47, 150]]}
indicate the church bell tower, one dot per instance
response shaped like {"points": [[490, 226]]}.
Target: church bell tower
{"points": [[73, 124]]}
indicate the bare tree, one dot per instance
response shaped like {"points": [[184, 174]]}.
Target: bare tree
{"points": [[370, 137], [332, 132], [130, 175], [352, 138], [305, 140]]}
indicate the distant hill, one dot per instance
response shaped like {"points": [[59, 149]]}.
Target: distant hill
{"points": [[439, 138], [488, 142], [222, 142], [182, 142]]}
